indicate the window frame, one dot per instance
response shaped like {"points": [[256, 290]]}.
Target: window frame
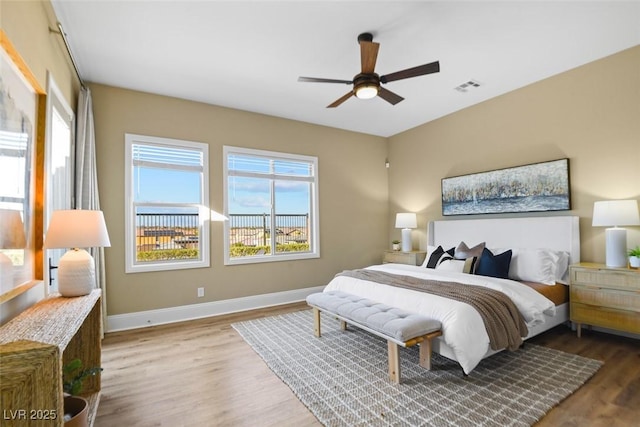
{"points": [[314, 214], [131, 266], [57, 104]]}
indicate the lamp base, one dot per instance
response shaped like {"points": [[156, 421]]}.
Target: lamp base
{"points": [[407, 244], [76, 273], [616, 248]]}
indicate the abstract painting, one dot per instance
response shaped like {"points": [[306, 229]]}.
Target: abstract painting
{"points": [[536, 187]]}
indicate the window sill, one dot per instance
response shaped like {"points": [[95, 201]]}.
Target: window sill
{"points": [[270, 258]]}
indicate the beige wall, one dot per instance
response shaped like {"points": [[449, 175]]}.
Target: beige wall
{"points": [[352, 190], [590, 114], [27, 25]]}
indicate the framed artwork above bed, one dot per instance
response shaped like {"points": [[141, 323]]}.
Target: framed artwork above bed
{"points": [[535, 187]]}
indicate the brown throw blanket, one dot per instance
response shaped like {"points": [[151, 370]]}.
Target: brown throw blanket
{"points": [[502, 319]]}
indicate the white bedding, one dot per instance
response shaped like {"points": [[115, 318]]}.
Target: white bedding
{"points": [[462, 327]]}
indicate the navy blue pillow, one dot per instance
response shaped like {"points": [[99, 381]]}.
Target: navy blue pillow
{"points": [[494, 265]]}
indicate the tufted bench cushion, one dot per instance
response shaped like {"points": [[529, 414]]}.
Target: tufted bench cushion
{"points": [[390, 321], [397, 326]]}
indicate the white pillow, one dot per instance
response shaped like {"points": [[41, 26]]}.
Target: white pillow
{"points": [[456, 265], [562, 268], [537, 265]]}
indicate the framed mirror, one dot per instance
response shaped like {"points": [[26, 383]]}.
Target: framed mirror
{"points": [[20, 99]]}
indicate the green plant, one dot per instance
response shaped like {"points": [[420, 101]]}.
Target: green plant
{"points": [[73, 375], [635, 251]]}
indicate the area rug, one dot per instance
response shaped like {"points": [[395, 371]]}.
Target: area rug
{"points": [[342, 378]]}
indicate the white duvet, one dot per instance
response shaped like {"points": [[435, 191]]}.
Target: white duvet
{"points": [[462, 327]]}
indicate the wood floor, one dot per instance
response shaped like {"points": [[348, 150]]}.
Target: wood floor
{"points": [[201, 373]]}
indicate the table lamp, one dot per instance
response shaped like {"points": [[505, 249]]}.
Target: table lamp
{"points": [[406, 221], [76, 229], [614, 213], [11, 237]]}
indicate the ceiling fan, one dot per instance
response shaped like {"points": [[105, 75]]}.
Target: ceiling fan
{"points": [[366, 85]]}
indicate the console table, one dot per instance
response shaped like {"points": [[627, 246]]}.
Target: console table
{"points": [[35, 345]]}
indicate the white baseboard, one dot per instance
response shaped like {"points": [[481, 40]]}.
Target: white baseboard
{"points": [[143, 319]]}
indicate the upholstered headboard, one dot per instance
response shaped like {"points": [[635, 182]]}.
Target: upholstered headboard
{"points": [[560, 233]]}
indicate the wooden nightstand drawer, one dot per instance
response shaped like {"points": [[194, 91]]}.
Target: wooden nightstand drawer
{"points": [[605, 297], [620, 320], [606, 278], [410, 258]]}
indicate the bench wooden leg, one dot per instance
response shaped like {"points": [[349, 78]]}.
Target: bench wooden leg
{"points": [[394, 362], [316, 322], [425, 354], [343, 325]]}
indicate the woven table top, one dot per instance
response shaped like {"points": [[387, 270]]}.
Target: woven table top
{"points": [[54, 320]]}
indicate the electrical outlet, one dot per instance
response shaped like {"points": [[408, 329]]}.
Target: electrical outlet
{"points": [[200, 292]]}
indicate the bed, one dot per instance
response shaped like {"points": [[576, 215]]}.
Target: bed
{"points": [[464, 337]]}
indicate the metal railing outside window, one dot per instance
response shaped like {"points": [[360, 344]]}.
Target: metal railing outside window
{"points": [[168, 231]]}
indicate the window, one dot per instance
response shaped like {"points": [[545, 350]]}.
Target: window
{"points": [[167, 199], [58, 184], [271, 202]]}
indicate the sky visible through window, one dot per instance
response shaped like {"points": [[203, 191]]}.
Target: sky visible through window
{"points": [[251, 195], [247, 195]]}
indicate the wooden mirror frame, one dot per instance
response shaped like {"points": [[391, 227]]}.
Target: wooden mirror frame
{"points": [[34, 231]]}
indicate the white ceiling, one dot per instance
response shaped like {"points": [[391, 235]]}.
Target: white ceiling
{"points": [[248, 55]]}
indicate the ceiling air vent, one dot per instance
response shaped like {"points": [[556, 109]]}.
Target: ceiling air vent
{"points": [[464, 87]]}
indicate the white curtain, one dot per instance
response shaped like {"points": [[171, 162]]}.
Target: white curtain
{"points": [[86, 180]]}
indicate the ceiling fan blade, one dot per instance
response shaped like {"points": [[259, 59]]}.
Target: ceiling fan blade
{"points": [[368, 56], [420, 70], [340, 100], [389, 96], [321, 80]]}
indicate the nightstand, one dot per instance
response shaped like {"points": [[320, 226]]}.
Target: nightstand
{"points": [[605, 296], [410, 258]]}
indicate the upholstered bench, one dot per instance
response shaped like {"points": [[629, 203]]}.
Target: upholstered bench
{"points": [[397, 326]]}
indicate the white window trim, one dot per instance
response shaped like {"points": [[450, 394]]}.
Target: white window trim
{"points": [[314, 251], [204, 212]]}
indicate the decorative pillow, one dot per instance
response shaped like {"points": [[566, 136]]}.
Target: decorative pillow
{"points": [[430, 250], [463, 251], [494, 265], [458, 265], [436, 257], [470, 265]]}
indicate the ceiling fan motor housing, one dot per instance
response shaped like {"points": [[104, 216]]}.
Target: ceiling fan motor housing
{"points": [[365, 37], [365, 81]]}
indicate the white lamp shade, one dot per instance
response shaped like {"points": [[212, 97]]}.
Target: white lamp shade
{"points": [[406, 220], [12, 230], [615, 213], [77, 229]]}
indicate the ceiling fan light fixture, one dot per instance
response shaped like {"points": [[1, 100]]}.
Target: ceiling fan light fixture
{"points": [[367, 91]]}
